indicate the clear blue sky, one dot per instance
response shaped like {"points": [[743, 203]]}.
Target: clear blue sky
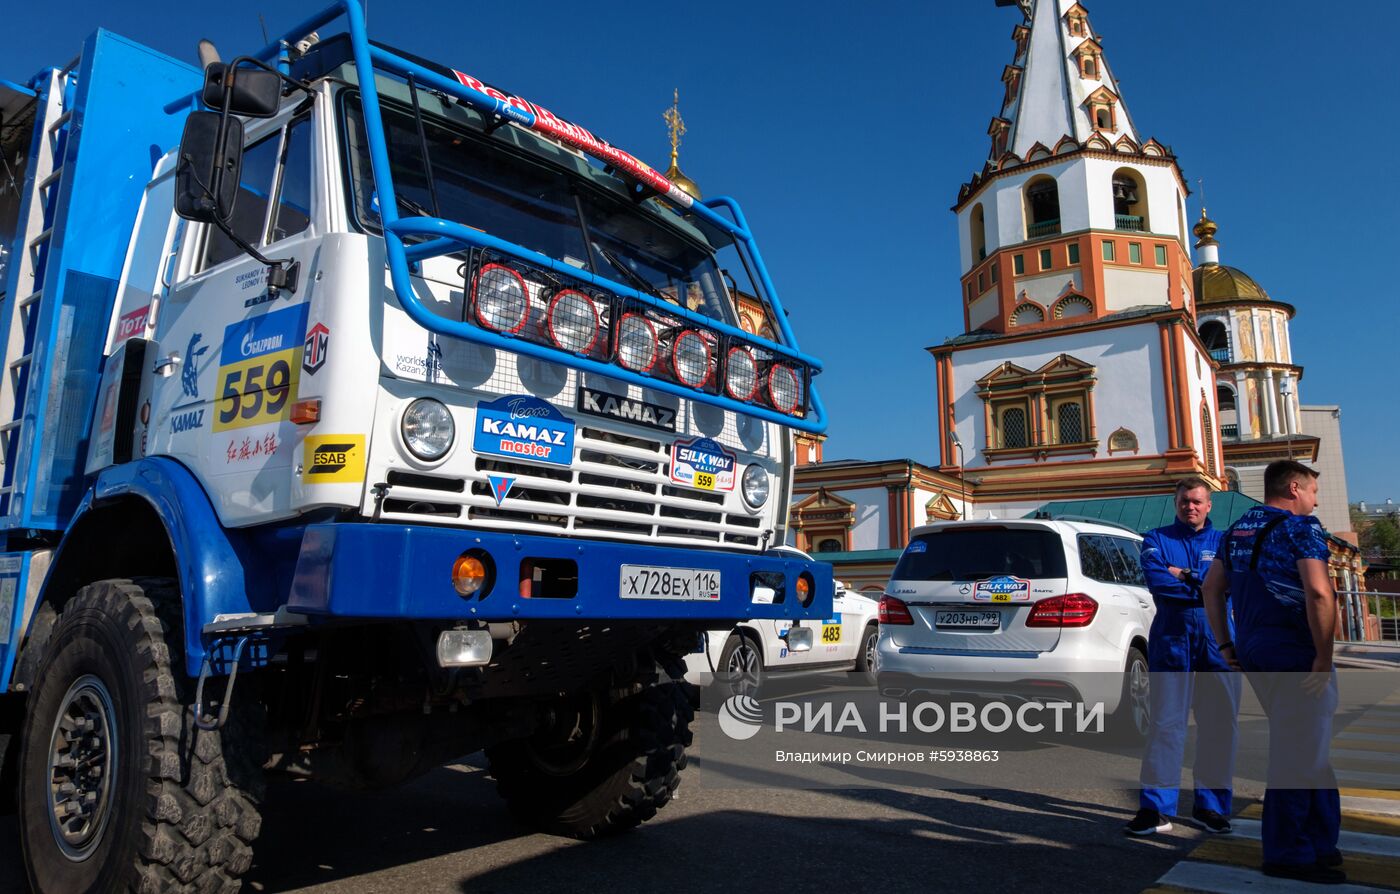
{"points": [[846, 129]]}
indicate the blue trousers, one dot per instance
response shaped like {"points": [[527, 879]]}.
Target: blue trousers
{"points": [[1188, 676], [1302, 808]]}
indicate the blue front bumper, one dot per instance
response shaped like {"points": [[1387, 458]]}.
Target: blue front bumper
{"points": [[405, 571]]}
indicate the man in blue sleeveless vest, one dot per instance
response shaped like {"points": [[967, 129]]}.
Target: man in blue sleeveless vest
{"points": [[1188, 673], [1273, 565]]}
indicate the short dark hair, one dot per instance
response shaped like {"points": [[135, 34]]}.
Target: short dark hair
{"points": [[1280, 474], [1192, 482]]}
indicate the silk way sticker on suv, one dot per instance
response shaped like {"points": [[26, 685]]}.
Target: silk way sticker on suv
{"points": [[1002, 589], [524, 427], [703, 464]]}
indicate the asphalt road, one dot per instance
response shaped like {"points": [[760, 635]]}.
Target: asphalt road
{"points": [[448, 832], [1047, 815]]}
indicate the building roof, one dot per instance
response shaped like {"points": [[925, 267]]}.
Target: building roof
{"points": [[983, 335], [1214, 283], [1145, 513], [1142, 514], [1050, 103]]}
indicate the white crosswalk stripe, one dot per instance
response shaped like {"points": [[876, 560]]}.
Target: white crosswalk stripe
{"points": [[1221, 878]]}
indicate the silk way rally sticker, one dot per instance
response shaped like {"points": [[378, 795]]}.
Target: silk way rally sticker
{"points": [[703, 464], [500, 487], [1002, 589], [523, 427]]}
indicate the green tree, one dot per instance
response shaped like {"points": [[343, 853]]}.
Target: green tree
{"points": [[1381, 538]]}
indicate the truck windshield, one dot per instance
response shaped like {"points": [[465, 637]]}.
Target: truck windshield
{"points": [[499, 190]]}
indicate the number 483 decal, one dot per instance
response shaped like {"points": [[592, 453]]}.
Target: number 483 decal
{"points": [[257, 391]]}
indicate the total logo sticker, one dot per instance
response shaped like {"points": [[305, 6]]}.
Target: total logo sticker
{"points": [[703, 464], [1002, 589], [523, 427]]}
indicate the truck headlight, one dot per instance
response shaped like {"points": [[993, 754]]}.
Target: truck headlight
{"points": [[428, 429], [755, 486]]}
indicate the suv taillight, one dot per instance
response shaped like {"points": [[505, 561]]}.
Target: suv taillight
{"points": [[1070, 610], [894, 611]]}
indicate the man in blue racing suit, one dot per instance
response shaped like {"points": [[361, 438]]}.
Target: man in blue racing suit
{"points": [[1188, 673], [1273, 565]]}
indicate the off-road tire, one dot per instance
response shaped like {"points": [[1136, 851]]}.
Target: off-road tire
{"points": [[632, 773], [182, 804]]}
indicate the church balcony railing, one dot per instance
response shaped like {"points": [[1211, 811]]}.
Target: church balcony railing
{"points": [[1230, 432], [1044, 228], [1220, 355], [1131, 222]]}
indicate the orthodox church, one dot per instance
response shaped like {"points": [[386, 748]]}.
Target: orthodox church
{"points": [[1081, 370]]}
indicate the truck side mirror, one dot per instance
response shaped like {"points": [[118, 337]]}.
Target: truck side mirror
{"points": [[252, 92], [201, 158]]}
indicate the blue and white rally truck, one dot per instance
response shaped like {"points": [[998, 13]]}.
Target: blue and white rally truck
{"points": [[357, 415]]}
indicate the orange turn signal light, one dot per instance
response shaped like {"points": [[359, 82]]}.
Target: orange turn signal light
{"points": [[468, 574], [305, 412], [804, 588]]}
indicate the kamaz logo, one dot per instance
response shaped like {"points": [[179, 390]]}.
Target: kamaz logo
{"points": [[535, 433], [600, 403], [187, 421]]}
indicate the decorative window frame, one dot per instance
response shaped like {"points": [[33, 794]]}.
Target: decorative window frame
{"points": [[1058, 311], [1063, 379], [1087, 54], [823, 516], [1014, 320], [1103, 98]]}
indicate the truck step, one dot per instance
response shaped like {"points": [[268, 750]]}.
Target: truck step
{"points": [[31, 298], [41, 238], [61, 120], [21, 361], [51, 179]]}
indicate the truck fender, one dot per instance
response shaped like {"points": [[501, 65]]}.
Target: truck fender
{"points": [[199, 550]]}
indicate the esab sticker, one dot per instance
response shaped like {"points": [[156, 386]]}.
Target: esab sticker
{"points": [[259, 369], [523, 427], [330, 459], [703, 464], [1002, 589]]}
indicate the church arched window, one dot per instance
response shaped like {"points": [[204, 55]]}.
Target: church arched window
{"points": [[1069, 421], [1027, 314], [1072, 306], [1042, 207], [831, 545], [1232, 480], [1216, 340], [977, 225], [1129, 201]]}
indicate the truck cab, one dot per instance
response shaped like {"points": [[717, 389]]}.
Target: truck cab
{"points": [[392, 419]]}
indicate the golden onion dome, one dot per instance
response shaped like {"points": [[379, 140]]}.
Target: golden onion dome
{"points": [[1205, 229], [1216, 283], [678, 177]]}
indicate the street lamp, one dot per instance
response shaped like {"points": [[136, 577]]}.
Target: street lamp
{"points": [[962, 483]]}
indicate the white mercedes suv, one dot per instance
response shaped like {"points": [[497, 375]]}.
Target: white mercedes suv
{"points": [[1037, 609]]}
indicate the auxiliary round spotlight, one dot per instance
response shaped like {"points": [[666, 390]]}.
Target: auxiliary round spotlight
{"points": [[741, 374], [636, 342], [690, 358], [784, 387], [573, 321], [501, 297]]}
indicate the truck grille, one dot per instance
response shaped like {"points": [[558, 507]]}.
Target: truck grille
{"points": [[614, 488]]}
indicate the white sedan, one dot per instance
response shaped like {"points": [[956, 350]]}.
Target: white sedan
{"points": [[745, 654]]}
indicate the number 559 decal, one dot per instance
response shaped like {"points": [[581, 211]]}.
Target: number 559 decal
{"points": [[259, 369]]}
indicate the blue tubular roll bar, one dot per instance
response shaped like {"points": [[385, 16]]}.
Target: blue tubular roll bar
{"points": [[445, 237]]}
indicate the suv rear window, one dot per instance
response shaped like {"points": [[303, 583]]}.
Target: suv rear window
{"points": [[981, 552]]}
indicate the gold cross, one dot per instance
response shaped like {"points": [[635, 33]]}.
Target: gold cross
{"points": [[675, 125]]}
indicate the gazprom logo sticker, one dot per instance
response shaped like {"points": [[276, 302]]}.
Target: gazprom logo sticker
{"points": [[704, 464], [267, 333], [1002, 589], [523, 427]]}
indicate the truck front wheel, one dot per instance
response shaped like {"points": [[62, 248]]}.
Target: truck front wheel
{"points": [[118, 790], [600, 763]]}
